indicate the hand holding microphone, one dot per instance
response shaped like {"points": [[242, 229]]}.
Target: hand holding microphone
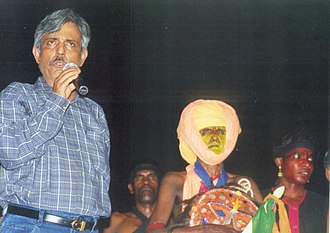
{"points": [[82, 89]]}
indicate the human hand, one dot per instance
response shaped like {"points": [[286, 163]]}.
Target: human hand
{"points": [[64, 83]]}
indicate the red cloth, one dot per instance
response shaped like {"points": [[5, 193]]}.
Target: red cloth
{"points": [[294, 214]]}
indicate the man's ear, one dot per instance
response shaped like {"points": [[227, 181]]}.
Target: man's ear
{"points": [[278, 161], [130, 188], [83, 56], [36, 54]]}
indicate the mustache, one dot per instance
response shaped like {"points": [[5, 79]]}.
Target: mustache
{"points": [[57, 59]]}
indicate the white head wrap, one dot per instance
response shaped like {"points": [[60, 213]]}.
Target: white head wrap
{"points": [[205, 113]]}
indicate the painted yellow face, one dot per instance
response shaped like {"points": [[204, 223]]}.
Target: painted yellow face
{"points": [[214, 137]]}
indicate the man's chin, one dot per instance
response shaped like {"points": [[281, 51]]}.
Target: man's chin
{"points": [[147, 199], [216, 149], [146, 194]]}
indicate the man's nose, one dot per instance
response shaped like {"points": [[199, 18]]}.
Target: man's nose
{"points": [[146, 180], [215, 137], [306, 163], [60, 48]]}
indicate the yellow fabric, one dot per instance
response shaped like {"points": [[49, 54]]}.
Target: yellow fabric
{"points": [[209, 114], [192, 183], [195, 117], [284, 224]]}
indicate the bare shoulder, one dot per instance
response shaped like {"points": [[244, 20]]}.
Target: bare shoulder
{"points": [[117, 217], [122, 222], [115, 220]]}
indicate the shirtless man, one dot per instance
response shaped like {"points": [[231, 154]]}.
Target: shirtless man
{"points": [[207, 133], [144, 186]]}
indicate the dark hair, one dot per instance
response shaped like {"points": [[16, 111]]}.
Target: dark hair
{"points": [[299, 139], [54, 22], [144, 166]]}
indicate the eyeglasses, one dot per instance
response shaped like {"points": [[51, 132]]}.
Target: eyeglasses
{"points": [[300, 155]]}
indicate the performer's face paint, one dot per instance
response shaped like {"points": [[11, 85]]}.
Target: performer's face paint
{"points": [[214, 137], [298, 165]]}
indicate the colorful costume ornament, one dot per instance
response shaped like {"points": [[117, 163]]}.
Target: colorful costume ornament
{"points": [[227, 206], [264, 221]]}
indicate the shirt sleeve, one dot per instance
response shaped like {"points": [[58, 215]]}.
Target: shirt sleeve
{"points": [[25, 126]]}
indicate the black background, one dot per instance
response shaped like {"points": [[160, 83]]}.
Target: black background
{"points": [[149, 59]]}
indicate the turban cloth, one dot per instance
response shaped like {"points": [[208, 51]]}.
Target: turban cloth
{"points": [[201, 114]]}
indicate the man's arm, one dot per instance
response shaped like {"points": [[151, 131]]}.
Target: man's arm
{"points": [[208, 228], [25, 127], [249, 185], [114, 222], [170, 189], [257, 193]]}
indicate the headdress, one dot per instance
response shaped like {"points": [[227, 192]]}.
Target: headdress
{"points": [[205, 113], [294, 140]]}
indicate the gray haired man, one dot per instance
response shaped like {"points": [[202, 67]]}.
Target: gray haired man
{"points": [[54, 143]]}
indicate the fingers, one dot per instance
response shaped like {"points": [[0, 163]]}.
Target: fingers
{"points": [[63, 84]]}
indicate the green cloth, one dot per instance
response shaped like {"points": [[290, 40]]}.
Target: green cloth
{"points": [[264, 218]]}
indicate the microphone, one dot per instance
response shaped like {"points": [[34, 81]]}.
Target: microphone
{"points": [[82, 89]]}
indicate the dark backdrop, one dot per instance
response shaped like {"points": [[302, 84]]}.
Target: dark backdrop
{"points": [[149, 59]]}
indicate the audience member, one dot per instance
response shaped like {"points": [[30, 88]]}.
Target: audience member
{"points": [[143, 186]]}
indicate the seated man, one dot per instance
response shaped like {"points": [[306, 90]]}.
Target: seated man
{"points": [[143, 185], [207, 132]]}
